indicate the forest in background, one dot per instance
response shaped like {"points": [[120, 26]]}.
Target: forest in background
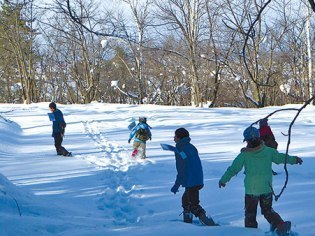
{"points": [[243, 53]]}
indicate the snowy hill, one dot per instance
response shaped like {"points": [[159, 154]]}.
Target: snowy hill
{"points": [[101, 190]]}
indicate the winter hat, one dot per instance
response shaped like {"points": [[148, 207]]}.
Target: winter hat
{"points": [[263, 122], [250, 133], [53, 105], [181, 133], [143, 119]]}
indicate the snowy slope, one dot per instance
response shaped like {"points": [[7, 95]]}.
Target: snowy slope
{"points": [[101, 190]]}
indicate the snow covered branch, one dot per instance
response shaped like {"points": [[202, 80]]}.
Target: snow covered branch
{"points": [[114, 84]]}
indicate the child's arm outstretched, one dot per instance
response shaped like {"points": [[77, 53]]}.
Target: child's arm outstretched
{"points": [[236, 167], [280, 158]]}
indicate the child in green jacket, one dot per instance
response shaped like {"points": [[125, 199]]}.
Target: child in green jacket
{"points": [[257, 160]]}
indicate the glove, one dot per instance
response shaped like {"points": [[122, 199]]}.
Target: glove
{"points": [[175, 188], [129, 140], [221, 184], [299, 161], [150, 138]]}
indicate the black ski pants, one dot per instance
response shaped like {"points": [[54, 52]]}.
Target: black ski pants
{"points": [[58, 141], [190, 200], [265, 201]]}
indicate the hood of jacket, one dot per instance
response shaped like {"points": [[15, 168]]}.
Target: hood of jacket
{"points": [[188, 164], [181, 143], [255, 149]]}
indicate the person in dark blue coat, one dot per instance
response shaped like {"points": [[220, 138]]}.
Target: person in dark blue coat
{"points": [[58, 127], [189, 176]]}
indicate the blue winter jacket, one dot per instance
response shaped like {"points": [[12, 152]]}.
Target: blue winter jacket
{"points": [[57, 123], [188, 164], [141, 125]]}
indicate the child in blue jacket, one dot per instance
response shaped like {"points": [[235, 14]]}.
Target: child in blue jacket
{"points": [[141, 133], [190, 176], [58, 127]]}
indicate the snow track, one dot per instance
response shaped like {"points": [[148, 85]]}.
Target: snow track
{"points": [[101, 190], [118, 174], [115, 170]]}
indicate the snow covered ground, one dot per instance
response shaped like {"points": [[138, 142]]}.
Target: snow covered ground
{"points": [[101, 190]]}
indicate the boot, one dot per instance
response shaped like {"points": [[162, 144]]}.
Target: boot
{"points": [[134, 153], [188, 216], [283, 229], [205, 220], [273, 227]]}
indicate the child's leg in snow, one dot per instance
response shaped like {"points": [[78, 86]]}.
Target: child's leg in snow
{"points": [[58, 141], [186, 201], [136, 145], [251, 203], [143, 146], [266, 209], [193, 199]]}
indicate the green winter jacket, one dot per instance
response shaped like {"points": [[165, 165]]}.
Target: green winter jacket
{"points": [[257, 163]]}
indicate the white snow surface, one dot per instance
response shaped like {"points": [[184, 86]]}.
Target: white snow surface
{"points": [[102, 190]]}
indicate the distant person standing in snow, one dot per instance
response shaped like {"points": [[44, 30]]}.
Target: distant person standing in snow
{"points": [[141, 134], [257, 159], [267, 136], [58, 127], [190, 176]]}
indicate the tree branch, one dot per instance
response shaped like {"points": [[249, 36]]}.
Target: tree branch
{"points": [[249, 34], [68, 10], [277, 196]]}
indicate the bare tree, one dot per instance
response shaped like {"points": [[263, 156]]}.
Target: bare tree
{"points": [[119, 30], [309, 49], [185, 18], [78, 52], [216, 52], [141, 15], [258, 46], [18, 35]]}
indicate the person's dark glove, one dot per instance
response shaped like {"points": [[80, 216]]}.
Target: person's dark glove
{"points": [[129, 140], [221, 184], [299, 161], [175, 188], [150, 138]]}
